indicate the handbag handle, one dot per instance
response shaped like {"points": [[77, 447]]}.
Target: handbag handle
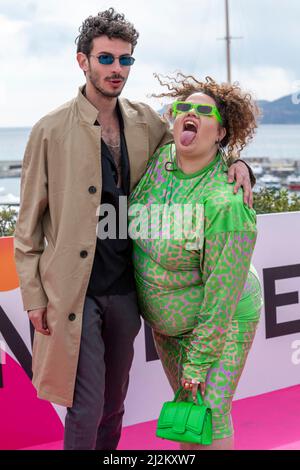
{"points": [[199, 396]]}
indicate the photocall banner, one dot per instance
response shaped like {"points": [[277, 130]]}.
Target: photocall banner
{"points": [[273, 362]]}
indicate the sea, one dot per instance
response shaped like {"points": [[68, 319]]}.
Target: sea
{"points": [[274, 141]]}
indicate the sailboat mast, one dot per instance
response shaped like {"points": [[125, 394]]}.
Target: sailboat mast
{"points": [[228, 42]]}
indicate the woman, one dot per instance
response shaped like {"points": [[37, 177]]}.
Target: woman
{"points": [[193, 242]]}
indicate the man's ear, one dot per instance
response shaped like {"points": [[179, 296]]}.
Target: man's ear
{"points": [[83, 61]]}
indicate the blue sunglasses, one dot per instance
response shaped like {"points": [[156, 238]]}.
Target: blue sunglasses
{"points": [[108, 59]]}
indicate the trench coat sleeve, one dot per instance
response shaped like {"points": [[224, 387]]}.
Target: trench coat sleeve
{"points": [[29, 240]]}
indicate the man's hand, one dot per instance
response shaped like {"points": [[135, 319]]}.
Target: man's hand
{"points": [[239, 172], [38, 318]]}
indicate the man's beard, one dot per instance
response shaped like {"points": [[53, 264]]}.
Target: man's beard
{"points": [[113, 94]]}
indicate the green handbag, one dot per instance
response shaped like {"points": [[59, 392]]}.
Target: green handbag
{"points": [[185, 421]]}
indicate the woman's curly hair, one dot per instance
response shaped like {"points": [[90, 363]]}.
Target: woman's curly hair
{"points": [[238, 110], [108, 23]]}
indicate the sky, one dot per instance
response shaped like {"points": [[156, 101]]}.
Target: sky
{"points": [[39, 71]]}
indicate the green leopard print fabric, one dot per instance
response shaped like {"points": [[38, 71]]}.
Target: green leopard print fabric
{"points": [[193, 241]]}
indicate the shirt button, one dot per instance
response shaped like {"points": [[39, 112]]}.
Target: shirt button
{"points": [[83, 254], [92, 190], [72, 316]]}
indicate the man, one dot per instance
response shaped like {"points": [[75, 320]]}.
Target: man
{"points": [[77, 288]]}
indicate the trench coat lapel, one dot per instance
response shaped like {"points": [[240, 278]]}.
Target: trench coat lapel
{"points": [[87, 112], [137, 141]]}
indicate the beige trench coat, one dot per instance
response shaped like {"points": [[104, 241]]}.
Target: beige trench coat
{"points": [[57, 221]]}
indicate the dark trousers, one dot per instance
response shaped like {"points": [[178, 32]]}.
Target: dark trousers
{"points": [[109, 327]]}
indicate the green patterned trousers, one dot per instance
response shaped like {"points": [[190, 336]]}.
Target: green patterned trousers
{"points": [[223, 377]]}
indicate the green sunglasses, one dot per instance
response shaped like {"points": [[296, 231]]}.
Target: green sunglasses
{"points": [[179, 107]]}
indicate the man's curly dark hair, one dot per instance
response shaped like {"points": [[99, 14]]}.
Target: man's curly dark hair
{"points": [[108, 23]]}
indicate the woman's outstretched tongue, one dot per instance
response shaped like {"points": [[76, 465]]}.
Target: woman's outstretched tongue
{"points": [[187, 137]]}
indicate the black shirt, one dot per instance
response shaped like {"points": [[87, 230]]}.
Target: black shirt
{"points": [[112, 271]]}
